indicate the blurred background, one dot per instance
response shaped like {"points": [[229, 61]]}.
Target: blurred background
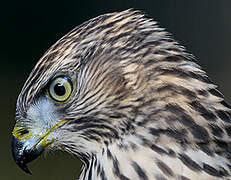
{"points": [[28, 28]]}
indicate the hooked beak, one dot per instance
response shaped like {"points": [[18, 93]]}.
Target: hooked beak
{"points": [[27, 147], [24, 153]]}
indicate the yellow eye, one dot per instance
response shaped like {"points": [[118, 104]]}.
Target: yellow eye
{"points": [[60, 88]]}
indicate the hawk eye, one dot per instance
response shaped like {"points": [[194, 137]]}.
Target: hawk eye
{"points": [[60, 89]]}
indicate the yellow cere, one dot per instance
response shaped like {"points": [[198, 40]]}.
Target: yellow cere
{"points": [[22, 133]]}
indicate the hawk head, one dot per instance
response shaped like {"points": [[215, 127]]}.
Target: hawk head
{"points": [[118, 89]]}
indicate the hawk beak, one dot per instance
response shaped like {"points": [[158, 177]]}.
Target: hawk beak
{"points": [[26, 147], [24, 153]]}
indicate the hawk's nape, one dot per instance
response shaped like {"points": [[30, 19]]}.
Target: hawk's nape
{"points": [[124, 97]]}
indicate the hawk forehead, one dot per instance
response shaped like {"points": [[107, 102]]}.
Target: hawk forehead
{"points": [[104, 33]]}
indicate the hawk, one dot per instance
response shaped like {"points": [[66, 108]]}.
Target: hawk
{"points": [[126, 99]]}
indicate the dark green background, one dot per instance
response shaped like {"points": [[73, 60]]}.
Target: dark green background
{"points": [[28, 28]]}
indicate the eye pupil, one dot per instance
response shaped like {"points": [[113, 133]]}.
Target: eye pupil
{"points": [[59, 89]]}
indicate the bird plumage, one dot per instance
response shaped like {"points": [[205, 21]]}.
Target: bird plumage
{"points": [[141, 107]]}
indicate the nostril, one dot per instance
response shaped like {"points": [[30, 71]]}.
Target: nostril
{"points": [[23, 132]]}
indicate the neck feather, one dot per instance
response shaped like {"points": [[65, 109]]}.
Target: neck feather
{"points": [[146, 159]]}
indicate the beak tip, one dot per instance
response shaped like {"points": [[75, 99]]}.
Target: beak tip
{"points": [[16, 147], [20, 156], [25, 151], [24, 167]]}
